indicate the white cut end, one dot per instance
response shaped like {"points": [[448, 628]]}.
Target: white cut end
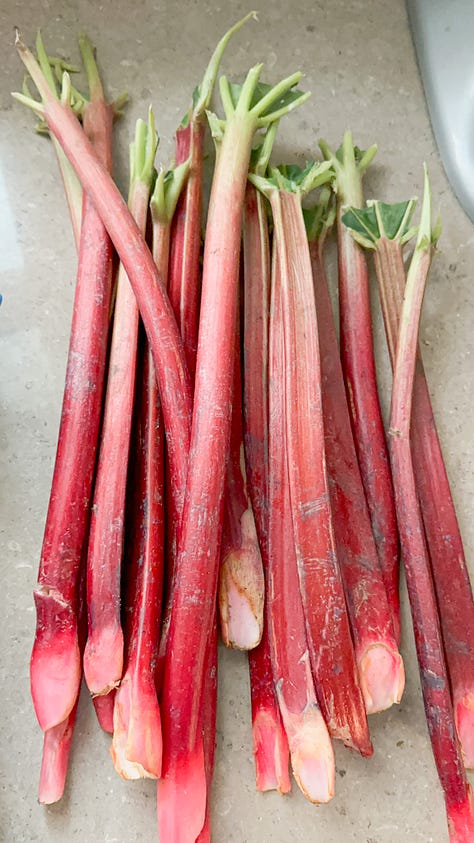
{"points": [[311, 752], [127, 733], [382, 677], [312, 758], [242, 628], [241, 597], [103, 659]]}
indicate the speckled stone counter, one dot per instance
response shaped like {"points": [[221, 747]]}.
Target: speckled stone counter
{"points": [[359, 63]]}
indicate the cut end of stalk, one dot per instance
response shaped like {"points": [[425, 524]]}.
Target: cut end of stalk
{"points": [[54, 763], [312, 755], [271, 753], [137, 744], [464, 717], [241, 600], [55, 675], [382, 678], [461, 820], [103, 660], [182, 797], [104, 710]]}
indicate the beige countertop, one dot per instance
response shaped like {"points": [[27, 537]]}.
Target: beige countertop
{"points": [[359, 63]]}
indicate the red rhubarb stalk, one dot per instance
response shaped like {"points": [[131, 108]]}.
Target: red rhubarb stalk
{"points": [[380, 665], [184, 264], [160, 324], [55, 660], [429, 646], [385, 229], [359, 368], [241, 584], [333, 662], [312, 757], [248, 108], [270, 744], [137, 742], [103, 656]]}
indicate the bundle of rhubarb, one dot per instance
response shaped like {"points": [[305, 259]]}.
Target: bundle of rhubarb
{"points": [[223, 466]]}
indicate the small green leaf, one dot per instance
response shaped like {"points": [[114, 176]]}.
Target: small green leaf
{"points": [[363, 221], [395, 217]]}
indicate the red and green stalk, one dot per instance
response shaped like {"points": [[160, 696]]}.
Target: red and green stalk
{"points": [[137, 742], [241, 583], [166, 344], [311, 752], [381, 672], [185, 250], [180, 816], [429, 645], [333, 665], [384, 228], [103, 655], [359, 368], [270, 744], [184, 275], [56, 659]]}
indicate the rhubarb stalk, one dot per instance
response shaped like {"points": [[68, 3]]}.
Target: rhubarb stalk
{"points": [[247, 108], [137, 742], [160, 324], [385, 229], [380, 665], [312, 757], [184, 268], [270, 745], [359, 368], [56, 659], [184, 261], [429, 646], [103, 656], [333, 664]]}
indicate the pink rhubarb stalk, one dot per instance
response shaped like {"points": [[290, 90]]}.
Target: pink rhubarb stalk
{"points": [[270, 744], [333, 662], [241, 583], [384, 228], [429, 646], [209, 719], [55, 759], [167, 348], [182, 791], [103, 656], [380, 665], [56, 659], [312, 757], [137, 742], [359, 369]]}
